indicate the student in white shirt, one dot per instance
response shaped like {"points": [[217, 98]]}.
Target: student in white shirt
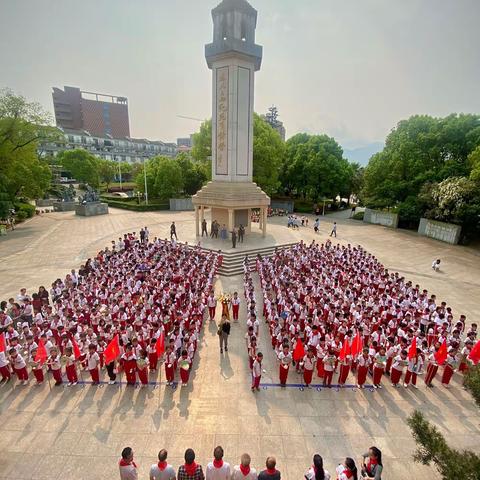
{"points": [[244, 471], [162, 470], [218, 469]]}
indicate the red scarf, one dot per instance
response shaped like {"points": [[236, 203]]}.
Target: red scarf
{"points": [[245, 469], [348, 473], [217, 463], [271, 471], [162, 465], [190, 469], [124, 463], [371, 463]]}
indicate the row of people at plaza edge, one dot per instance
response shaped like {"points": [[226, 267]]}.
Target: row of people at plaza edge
{"points": [[333, 308], [135, 303], [369, 467]]}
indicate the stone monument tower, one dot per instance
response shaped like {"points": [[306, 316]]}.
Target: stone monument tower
{"points": [[233, 57]]}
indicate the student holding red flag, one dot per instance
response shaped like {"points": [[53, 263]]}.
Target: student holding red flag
{"points": [[451, 365], [37, 367], [152, 354], [110, 354], [364, 363], [415, 363], [474, 354], [434, 360], [70, 366], [345, 362], [4, 368]]}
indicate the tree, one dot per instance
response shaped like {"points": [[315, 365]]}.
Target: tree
{"points": [[268, 153], [107, 170], [472, 382], [22, 125], [164, 178], [193, 173], [202, 143], [82, 165], [432, 448]]}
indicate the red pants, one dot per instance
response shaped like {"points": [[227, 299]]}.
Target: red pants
{"points": [[235, 309], [320, 368], [447, 374], [38, 374], [5, 372], [169, 372], [184, 375], [362, 375], [377, 375], [431, 372], [307, 376], [211, 312], [22, 373], [283, 374], [410, 376], [395, 375], [250, 362], [143, 375], [256, 381], [152, 360], [57, 375], [95, 374], [389, 364], [131, 376], [344, 371], [71, 373], [327, 378]]}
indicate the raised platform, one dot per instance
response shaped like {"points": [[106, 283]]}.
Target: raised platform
{"points": [[64, 206], [91, 209], [235, 195]]}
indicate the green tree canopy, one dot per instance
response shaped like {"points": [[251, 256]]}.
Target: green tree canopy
{"points": [[202, 143], [164, 178], [22, 125], [82, 165], [194, 173]]}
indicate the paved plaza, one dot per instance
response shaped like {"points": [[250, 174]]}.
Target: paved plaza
{"points": [[76, 433]]}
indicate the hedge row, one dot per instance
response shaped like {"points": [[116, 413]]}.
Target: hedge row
{"points": [[137, 208], [24, 211]]}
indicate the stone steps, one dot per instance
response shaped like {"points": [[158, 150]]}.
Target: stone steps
{"points": [[233, 261]]}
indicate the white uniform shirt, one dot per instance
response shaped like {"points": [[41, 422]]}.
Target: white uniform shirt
{"points": [[222, 473], [238, 475], [257, 369], [168, 473]]}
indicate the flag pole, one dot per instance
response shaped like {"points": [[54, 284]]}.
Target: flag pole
{"points": [[81, 376]]}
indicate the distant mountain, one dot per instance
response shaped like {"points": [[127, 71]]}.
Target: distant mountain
{"points": [[362, 155]]}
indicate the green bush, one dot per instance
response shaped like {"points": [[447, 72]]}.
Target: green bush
{"points": [[302, 206], [21, 216], [25, 208], [472, 382], [358, 216]]}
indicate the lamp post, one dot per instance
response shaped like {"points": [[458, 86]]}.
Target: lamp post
{"points": [[145, 180]]}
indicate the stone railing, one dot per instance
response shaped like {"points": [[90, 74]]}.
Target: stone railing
{"points": [[181, 204]]}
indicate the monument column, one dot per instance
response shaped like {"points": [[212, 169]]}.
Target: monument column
{"points": [[197, 230], [230, 219]]}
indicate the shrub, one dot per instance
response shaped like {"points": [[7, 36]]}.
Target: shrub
{"points": [[472, 382], [138, 208], [21, 216], [26, 208], [358, 216]]}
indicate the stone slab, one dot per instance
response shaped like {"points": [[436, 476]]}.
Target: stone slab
{"points": [[381, 218], [91, 209], [445, 232], [64, 206]]}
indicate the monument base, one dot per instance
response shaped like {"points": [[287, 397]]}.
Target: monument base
{"points": [[64, 206], [231, 204], [91, 209]]}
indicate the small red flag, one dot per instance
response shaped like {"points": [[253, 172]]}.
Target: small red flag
{"points": [[41, 355], [160, 345], [474, 354], [76, 349], [345, 350], [412, 351], [3, 346], [299, 351], [357, 345], [441, 354], [112, 351]]}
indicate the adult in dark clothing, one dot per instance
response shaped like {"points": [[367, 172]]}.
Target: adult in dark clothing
{"points": [[173, 231], [204, 228], [271, 473], [223, 333], [234, 237], [241, 233]]}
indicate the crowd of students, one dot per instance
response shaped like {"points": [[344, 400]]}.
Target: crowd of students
{"points": [[135, 303], [370, 467], [337, 309]]}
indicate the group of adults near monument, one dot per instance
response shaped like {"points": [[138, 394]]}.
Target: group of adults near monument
{"points": [[237, 234], [370, 466]]}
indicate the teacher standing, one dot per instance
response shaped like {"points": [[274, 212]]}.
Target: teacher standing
{"points": [[223, 333]]}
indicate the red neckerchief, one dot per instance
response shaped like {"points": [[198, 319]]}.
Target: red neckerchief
{"points": [[348, 473], [245, 469], [162, 465], [271, 471], [371, 462], [217, 463], [124, 463], [190, 469]]}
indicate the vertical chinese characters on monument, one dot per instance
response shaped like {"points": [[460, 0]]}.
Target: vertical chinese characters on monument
{"points": [[221, 154]]}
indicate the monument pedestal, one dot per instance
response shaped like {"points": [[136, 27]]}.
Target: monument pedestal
{"points": [[91, 209], [64, 206], [231, 204]]}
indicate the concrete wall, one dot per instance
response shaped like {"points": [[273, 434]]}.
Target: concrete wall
{"points": [[64, 206], [44, 202], [180, 204], [445, 232], [381, 218], [91, 209], [283, 204]]}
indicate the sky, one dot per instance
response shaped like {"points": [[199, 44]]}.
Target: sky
{"points": [[348, 68]]}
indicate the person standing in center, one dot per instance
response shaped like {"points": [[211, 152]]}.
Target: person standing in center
{"points": [[257, 372], [234, 237], [223, 333], [334, 230], [162, 470], [285, 358], [244, 471], [235, 306], [218, 469], [173, 231], [190, 470]]}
